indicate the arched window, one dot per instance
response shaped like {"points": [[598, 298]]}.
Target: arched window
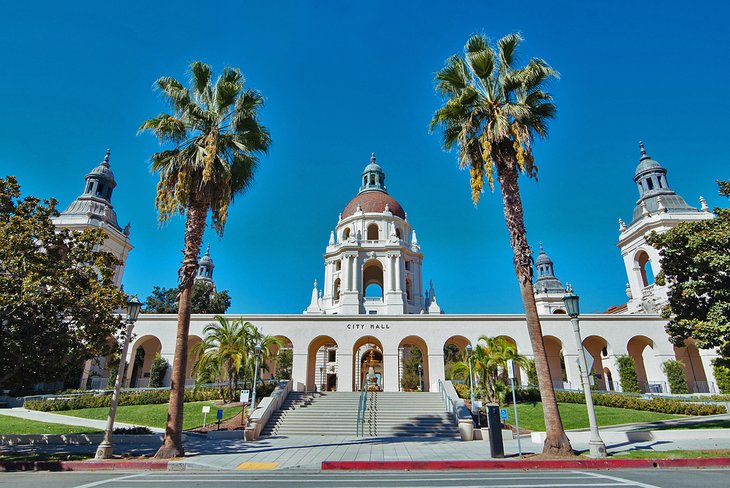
{"points": [[408, 290], [346, 234], [559, 311], [372, 279], [646, 274], [373, 232], [337, 290], [397, 233]]}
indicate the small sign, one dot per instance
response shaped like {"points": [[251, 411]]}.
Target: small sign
{"points": [[206, 409], [244, 396], [503, 413], [511, 368], [219, 415]]}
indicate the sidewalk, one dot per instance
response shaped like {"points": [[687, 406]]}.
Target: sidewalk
{"points": [[55, 418]]}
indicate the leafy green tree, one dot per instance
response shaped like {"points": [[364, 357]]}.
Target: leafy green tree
{"points": [[158, 368], [627, 374], [204, 300], [695, 260], [58, 302], [284, 362], [216, 140], [492, 113], [674, 370]]}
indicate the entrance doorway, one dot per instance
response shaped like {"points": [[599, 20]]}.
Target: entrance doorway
{"points": [[371, 370]]}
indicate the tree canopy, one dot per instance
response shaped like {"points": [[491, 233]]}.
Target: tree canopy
{"points": [[58, 301], [204, 300], [695, 260]]}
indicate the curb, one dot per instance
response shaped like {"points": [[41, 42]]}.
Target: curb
{"points": [[6, 466], [525, 464]]}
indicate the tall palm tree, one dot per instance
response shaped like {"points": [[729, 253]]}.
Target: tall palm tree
{"points": [[492, 113], [216, 139]]}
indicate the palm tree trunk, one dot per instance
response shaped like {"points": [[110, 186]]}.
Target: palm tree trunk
{"points": [[194, 226], [556, 442]]}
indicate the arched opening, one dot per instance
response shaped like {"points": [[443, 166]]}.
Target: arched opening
{"points": [[556, 361], [397, 232], [346, 233], [456, 366], [372, 274], [322, 364], [143, 353], [281, 358], [373, 232], [694, 371], [641, 349], [597, 348], [409, 295], [367, 371], [193, 341], [413, 371], [643, 263], [608, 377], [559, 311], [336, 290]]}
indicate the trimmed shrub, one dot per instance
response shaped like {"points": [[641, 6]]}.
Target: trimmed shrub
{"points": [[144, 397], [627, 374], [531, 372], [462, 390], [722, 377], [157, 371], [132, 431], [675, 374]]}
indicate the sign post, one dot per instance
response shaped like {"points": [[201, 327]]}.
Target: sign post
{"points": [[511, 373], [206, 409]]}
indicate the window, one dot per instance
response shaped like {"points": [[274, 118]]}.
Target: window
{"points": [[332, 355], [338, 265], [646, 274], [336, 291], [373, 312], [346, 234], [649, 184], [373, 232], [397, 233]]}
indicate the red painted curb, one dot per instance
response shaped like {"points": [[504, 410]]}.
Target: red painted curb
{"points": [[82, 465], [525, 464]]}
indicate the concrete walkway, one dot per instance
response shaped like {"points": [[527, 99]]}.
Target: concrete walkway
{"points": [[55, 418]]}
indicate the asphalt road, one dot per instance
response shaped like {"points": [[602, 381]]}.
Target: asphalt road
{"points": [[684, 478]]}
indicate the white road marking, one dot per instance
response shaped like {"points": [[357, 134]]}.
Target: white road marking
{"points": [[615, 478], [112, 480], [208, 478]]}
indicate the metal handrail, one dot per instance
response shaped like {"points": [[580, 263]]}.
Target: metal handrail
{"points": [[361, 407]]}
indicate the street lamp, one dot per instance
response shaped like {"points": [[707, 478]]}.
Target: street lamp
{"points": [[469, 349], [596, 447], [104, 451], [420, 377], [257, 352]]}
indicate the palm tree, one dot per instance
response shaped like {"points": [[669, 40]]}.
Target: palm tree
{"points": [[216, 140], [492, 113]]}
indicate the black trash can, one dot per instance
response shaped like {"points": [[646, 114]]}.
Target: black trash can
{"points": [[494, 424]]}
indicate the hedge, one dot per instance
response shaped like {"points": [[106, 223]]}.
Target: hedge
{"points": [[675, 374], [144, 397], [722, 377], [462, 390], [617, 400], [627, 374]]}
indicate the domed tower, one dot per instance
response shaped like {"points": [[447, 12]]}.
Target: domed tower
{"points": [[373, 260], [93, 208], [205, 269], [549, 291], [657, 209]]}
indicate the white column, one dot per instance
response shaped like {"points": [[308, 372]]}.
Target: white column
{"points": [[436, 370], [299, 368], [398, 262], [345, 281], [390, 370], [344, 370], [706, 357]]}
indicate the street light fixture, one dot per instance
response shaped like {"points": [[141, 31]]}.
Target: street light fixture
{"points": [[420, 377], [105, 449], [469, 350], [257, 352], [596, 447]]}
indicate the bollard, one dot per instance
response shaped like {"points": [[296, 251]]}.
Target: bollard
{"points": [[494, 424]]}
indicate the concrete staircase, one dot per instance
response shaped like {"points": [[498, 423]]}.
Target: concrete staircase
{"points": [[387, 414]]}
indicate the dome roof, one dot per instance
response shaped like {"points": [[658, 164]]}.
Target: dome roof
{"points": [[543, 258], [103, 171], [373, 201], [206, 260], [646, 163], [373, 166]]}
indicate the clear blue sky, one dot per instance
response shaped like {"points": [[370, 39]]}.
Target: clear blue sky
{"points": [[344, 79]]}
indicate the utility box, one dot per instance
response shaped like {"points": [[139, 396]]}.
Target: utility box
{"points": [[494, 425]]}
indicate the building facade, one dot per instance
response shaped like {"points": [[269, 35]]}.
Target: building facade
{"points": [[373, 306]]}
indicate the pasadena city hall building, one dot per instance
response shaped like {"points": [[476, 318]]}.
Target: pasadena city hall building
{"points": [[374, 306]]}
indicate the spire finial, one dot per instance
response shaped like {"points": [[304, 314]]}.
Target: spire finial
{"points": [[207, 250], [542, 251], [106, 157], [372, 157], [643, 149]]}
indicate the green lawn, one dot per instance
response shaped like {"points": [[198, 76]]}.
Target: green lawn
{"points": [[673, 454], [14, 425], [575, 416], [155, 415]]}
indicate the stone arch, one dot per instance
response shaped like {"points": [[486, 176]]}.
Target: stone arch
{"points": [[373, 233], [405, 348], [694, 371], [597, 348], [360, 355], [273, 352], [641, 349], [319, 355], [143, 353], [556, 361], [192, 357], [642, 263], [559, 311], [454, 351], [372, 279]]}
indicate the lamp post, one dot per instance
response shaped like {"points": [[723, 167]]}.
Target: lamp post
{"points": [[321, 378], [596, 447], [420, 377], [105, 449], [469, 349], [257, 352]]}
